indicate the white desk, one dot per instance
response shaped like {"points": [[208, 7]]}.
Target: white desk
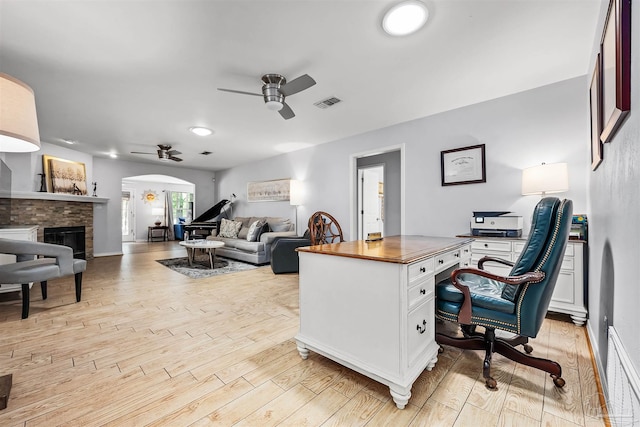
{"points": [[370, 306]]}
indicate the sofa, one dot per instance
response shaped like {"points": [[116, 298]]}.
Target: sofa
{"points": [[249, 239]]}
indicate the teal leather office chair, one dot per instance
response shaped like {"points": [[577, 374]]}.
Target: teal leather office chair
{"points": [[517, 303]]}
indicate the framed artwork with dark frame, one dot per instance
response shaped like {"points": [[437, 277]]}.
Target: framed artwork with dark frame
{"points": [[615, 67], [464, 165], [596, 116]]}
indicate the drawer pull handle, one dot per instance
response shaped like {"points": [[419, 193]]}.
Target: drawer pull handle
{"points": [[422, 329], [457, 255], [440, 261], [423, 269], [423, 291], [486, 245]]}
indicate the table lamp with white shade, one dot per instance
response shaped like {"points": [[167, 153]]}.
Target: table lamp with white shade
{"points": [[545, 179]]}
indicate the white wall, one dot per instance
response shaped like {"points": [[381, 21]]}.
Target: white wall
{"points": [[549, 124], [614, 229], [25, 166]]}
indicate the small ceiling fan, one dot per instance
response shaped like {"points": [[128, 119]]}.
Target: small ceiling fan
{"points": [[165, 153], [276, 88]]}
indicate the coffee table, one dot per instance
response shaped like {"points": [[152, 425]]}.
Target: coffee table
{"points": [[208, 245]]}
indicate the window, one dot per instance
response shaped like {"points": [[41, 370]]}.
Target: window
{"points": [[182, 204]]}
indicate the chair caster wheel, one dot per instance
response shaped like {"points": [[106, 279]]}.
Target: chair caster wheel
{"points": [[558, 381], [527, 348], [491, 384]]}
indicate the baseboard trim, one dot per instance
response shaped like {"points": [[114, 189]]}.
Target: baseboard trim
{"points": [[107, 254]]}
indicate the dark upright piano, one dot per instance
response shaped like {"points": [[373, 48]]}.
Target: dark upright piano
{"points": [[203, 225]]}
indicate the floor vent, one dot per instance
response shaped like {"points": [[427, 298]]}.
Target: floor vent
{"points": [[326, 103], [623, 384]]}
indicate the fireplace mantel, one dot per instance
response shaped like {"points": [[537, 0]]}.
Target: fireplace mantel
{"points": [[33, 195]]}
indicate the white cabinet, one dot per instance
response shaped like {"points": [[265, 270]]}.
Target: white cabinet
{"points": [[568, 295], [29, 233], [371, 308]]}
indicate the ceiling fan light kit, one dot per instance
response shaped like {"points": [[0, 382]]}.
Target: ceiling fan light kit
{"points": [[405, 18], [274, 90]]}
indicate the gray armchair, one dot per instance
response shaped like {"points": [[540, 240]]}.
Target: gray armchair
{"points": [[284, 258], [38, 262]]}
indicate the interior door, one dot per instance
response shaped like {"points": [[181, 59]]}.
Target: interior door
{"points": [[370, 206], [128, 215]]}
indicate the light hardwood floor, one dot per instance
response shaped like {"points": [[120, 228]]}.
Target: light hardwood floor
{"points": [[148, 346]]}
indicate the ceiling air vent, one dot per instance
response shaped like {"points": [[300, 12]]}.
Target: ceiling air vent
{"points": [[326, 103], [206, 153]]}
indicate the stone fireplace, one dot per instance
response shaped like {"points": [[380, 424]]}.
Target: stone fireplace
{"points": [[54, 213]]}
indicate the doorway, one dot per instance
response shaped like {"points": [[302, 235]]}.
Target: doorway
{"points": [[390, 194], [128, 214], [370, 201]]}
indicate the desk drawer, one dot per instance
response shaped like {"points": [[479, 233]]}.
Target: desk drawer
{"points": [[490, 245], [420, 269], [445, 260], [420, 292], [421, 331]]}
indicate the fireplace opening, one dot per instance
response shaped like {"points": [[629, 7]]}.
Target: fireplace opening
{"points": [[67, 236]]}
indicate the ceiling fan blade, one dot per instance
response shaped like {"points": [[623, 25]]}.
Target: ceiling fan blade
{"points": [[240, 92], [173, 152], [140, 152], [175, 159], [286, 112], [297, 85]]}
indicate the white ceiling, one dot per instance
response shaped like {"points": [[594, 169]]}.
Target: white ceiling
{"points": [[121, 76]]}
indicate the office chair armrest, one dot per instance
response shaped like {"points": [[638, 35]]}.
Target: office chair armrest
{"points": [[464, 315], [493, 259]]}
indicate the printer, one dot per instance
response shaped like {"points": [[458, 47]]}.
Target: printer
{"points": [[496, 224]]}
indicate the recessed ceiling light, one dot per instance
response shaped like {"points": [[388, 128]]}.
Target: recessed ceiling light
{"points": [[201, 131], [70, 141], [113, 155], [405, 18]]}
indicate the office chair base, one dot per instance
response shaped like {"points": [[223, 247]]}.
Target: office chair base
{"points": [[491, 344]]}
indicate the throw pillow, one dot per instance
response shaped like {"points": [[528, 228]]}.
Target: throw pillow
{"points": [[242, 234], [281, 225], [254, 230], [229, 229]]}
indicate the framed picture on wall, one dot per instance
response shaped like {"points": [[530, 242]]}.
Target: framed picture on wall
{"points": [[463, 165], [64, 176], [596, 116], [615, 57], [277, 190]]}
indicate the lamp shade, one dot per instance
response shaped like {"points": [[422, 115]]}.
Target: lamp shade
{"points": [[545, 179], [295, 193], [18, 119], [157, 211]]}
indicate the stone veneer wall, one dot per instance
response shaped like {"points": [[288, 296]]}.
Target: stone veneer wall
{"points": [[54, 213]]}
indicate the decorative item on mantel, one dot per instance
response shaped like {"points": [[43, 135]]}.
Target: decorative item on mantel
{"points": [[95, 189], [43, 183]]}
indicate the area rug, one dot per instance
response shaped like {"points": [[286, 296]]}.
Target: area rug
{"points": [[200, 268]]}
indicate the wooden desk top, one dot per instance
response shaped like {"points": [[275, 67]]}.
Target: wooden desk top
{"points": [[395, 249]]}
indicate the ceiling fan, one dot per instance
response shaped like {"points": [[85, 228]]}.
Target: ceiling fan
{"points": [[276, 88], [165, 153]]}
